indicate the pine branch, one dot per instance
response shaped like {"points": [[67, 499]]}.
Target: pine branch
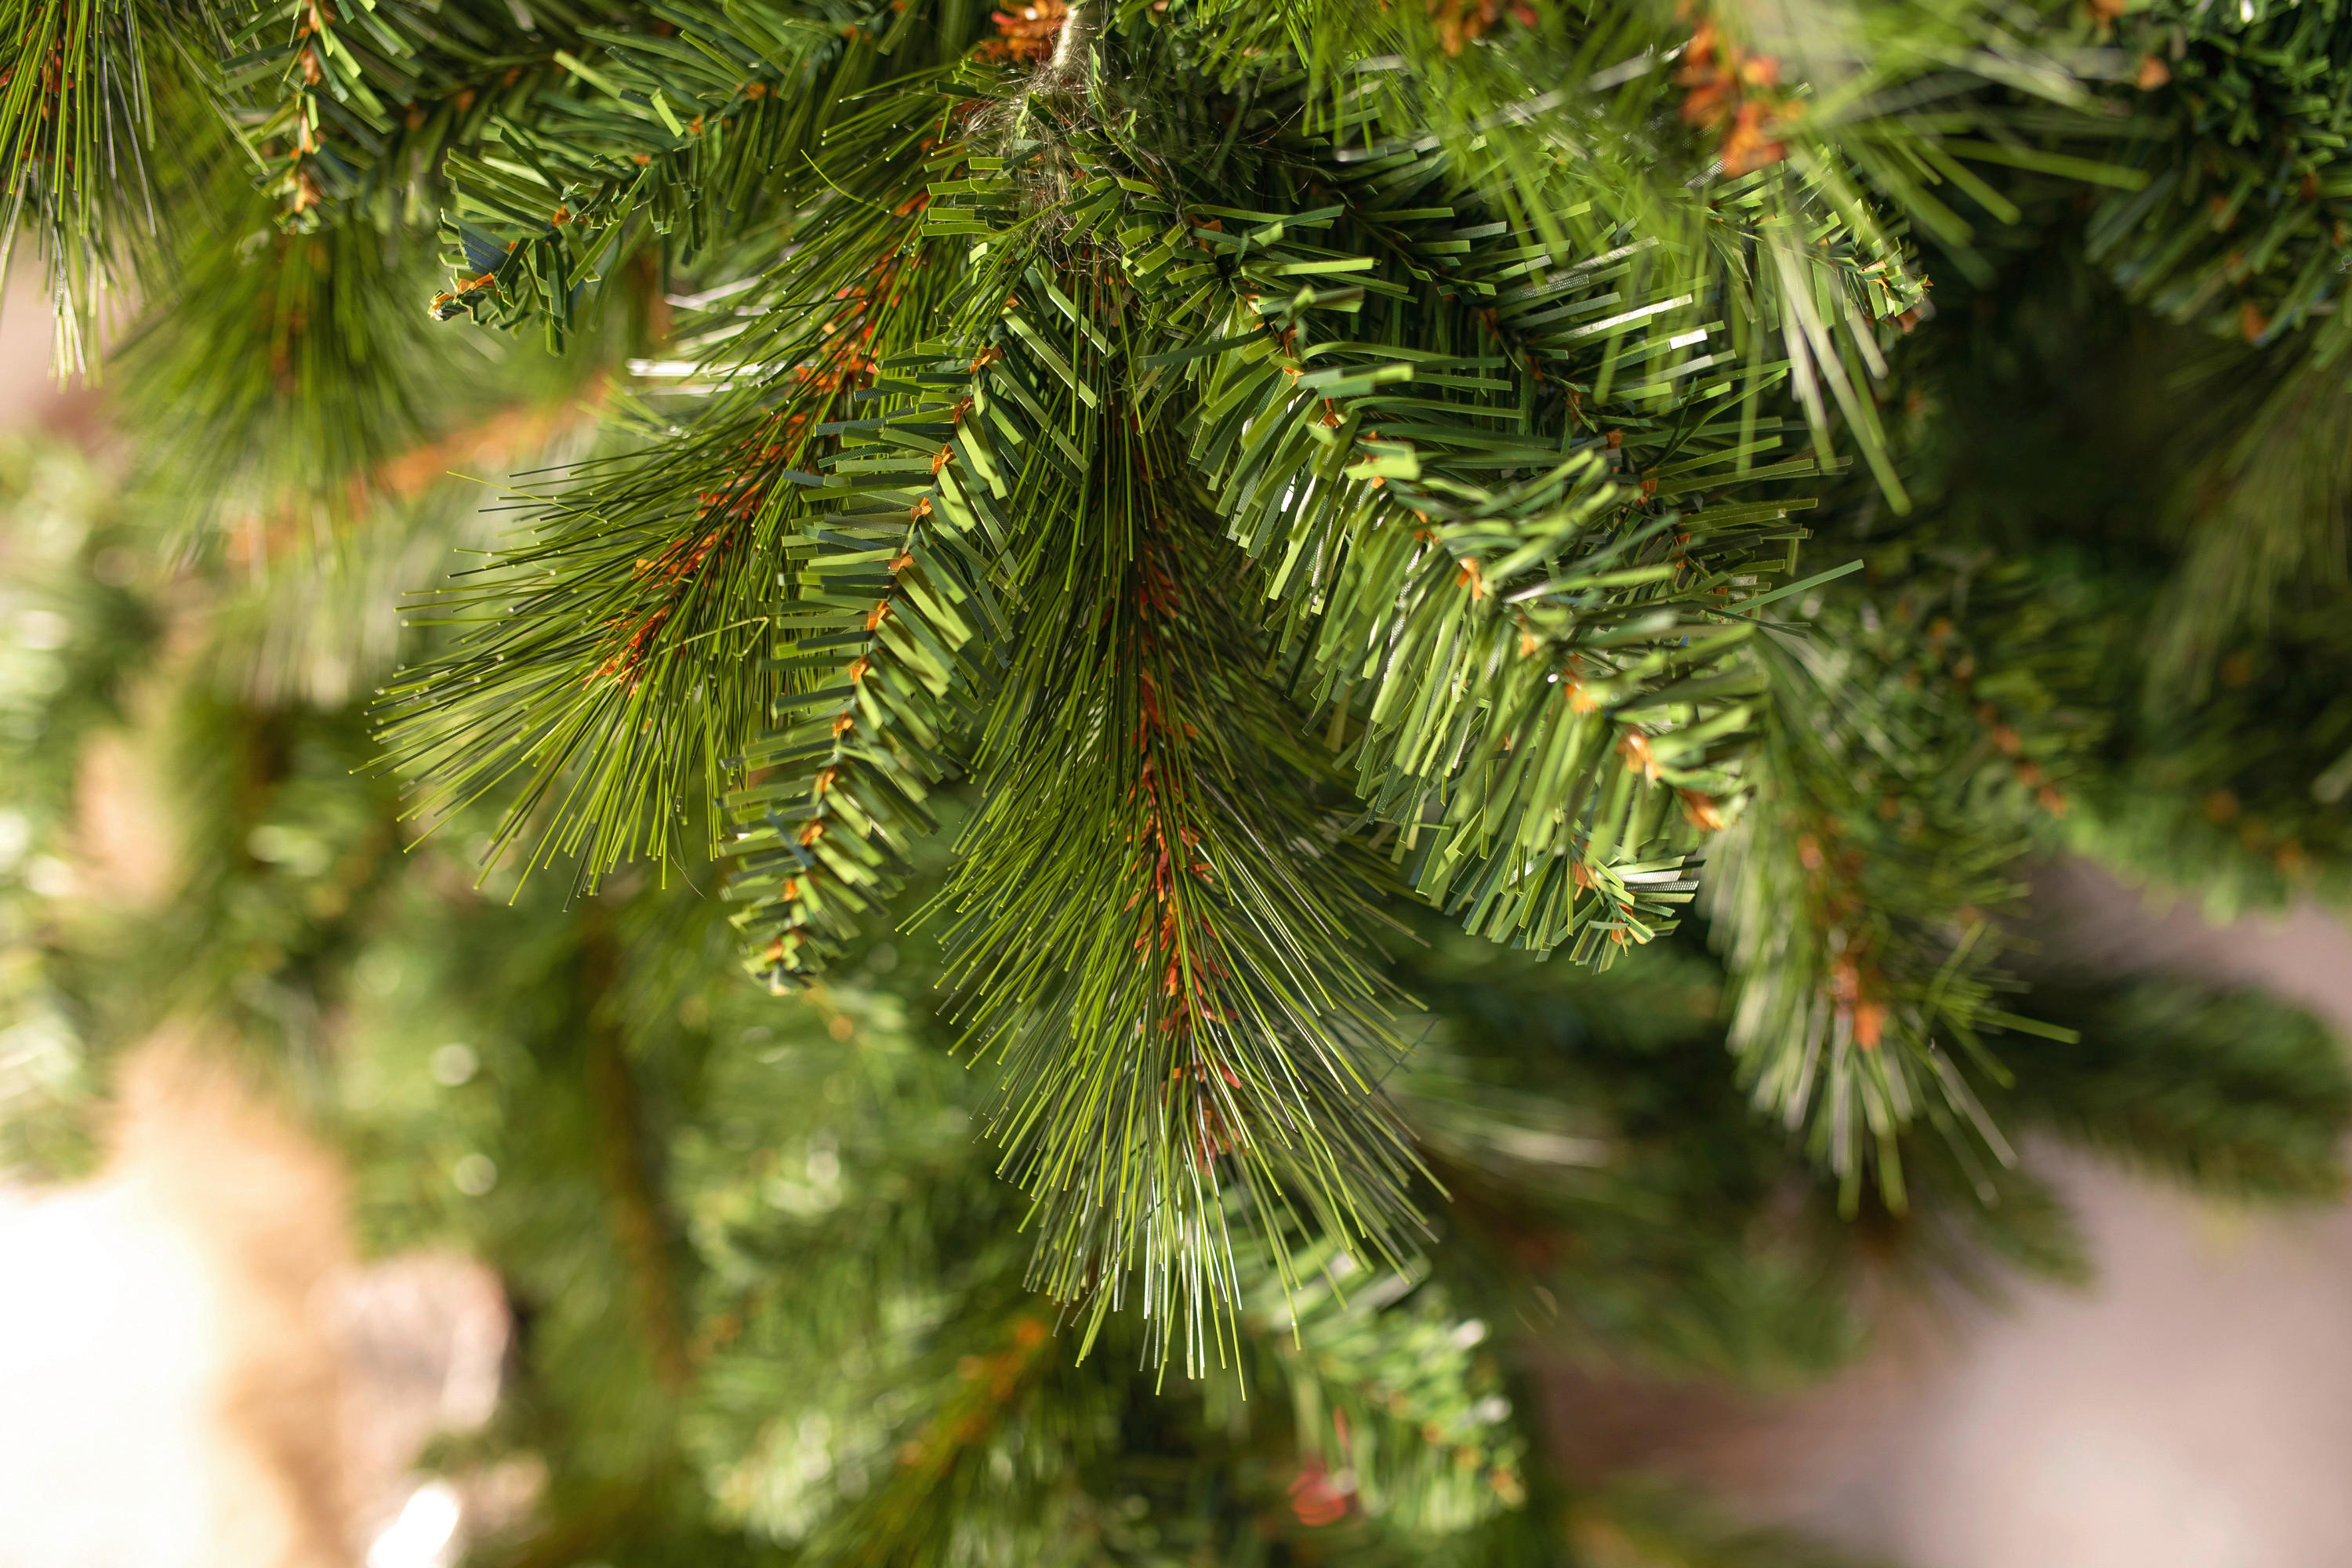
{"points": [[732, 125], [289, 368], [84, 86], [2238, 799], [2228, 1089], [1151, 920], [653, 608], [353, 115], [2246, 245], [1858, 930], [1399, 1413], [887, 606], [2268, 528], [1486, 382], [1088, 405], [1778, 169], [1452, 617]]}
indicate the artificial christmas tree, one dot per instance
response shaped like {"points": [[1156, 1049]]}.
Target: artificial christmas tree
{"points": [[770, 1294], [1155, 500]]}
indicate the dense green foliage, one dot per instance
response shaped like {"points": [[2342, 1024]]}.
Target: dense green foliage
{"points": [[771, 1295], [1177, 550]]}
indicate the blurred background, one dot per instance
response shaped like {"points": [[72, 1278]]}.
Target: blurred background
{"points": [[262, 1304]]}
